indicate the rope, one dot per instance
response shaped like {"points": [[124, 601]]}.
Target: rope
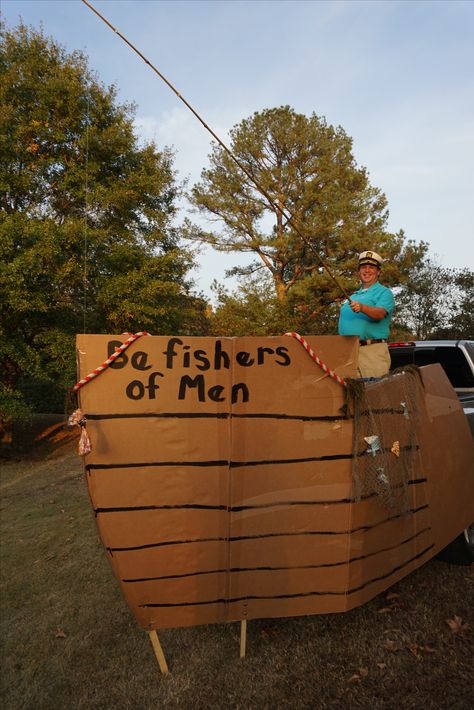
{"points": [[316, 359], [109, 360], [86, 212]]}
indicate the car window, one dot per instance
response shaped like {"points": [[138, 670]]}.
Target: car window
{"points": [[452, 360], [401, 356], [470, 349]]}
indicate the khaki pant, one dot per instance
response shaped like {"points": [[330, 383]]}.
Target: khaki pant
{"points": [[374, 360]]}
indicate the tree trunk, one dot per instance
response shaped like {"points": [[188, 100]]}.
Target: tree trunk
{"points": [[280, 288]]}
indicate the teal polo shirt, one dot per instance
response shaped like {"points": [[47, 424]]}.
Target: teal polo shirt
{"points": [[366, 328]]}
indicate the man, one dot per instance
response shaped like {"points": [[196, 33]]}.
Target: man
{"points": [[368, 315]]}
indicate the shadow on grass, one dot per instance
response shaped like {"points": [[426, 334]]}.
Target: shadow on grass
{"points": [[43, 435]]}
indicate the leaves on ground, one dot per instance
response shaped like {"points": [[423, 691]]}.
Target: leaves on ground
{"points": [[414, 649], [457, 626], [394, 603], [356, 677]]}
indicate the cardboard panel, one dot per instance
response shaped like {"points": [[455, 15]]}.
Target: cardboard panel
{"points": [[168, 434], [173, 560], [222, 477], [166, 485], [447, 453], [308, 480]]}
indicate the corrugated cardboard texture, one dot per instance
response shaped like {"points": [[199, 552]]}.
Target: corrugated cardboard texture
{"points": [[221, 478]]}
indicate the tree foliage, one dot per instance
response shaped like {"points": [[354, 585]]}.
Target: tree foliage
{"points": [[86, 220], [251, 309], [462, 318], [308, 170], [436, 302]]}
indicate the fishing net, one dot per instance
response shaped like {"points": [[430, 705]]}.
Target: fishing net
{"points": [[385, 447]]}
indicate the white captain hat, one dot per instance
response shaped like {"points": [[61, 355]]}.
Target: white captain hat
{"points": [[370, 257]]}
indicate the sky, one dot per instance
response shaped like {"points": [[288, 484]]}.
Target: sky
{"points": [[396, 75]]}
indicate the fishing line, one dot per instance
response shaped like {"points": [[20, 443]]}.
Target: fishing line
{"points": [[274, 205], [86, 212]]}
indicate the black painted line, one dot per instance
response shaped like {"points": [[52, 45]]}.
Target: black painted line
{"points": [[230, 509], [221, 462], [184, 506], [157, 464], [301, 595], [381, 410], [339, 501], [287, 567], [159, 415], [155, 415], [267, 535], [235, 464], [240, 508], [300, 417], [395, 569], [219, 415], [273, 462]]}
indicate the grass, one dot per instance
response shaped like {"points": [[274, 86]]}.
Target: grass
{"points": [[69, 640]]}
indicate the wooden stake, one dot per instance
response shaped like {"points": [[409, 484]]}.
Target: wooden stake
{"points": [[243, 637], [160, 656]]}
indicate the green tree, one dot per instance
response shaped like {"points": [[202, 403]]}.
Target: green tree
{"points": [[307, 169], [462, 320], [421, 303], [251, 309], [86, 218], [436, 302]]}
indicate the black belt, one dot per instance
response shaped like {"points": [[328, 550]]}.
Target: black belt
{"points": [[371, 342]]}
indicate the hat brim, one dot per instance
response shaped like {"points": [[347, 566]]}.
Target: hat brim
{"points": [[371, 262]]}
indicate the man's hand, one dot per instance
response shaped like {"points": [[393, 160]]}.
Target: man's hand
{"points": [[356, 306], [373, 312]]}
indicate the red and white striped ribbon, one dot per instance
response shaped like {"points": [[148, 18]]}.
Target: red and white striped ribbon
{"points": [[109, 360], [316, 359]]}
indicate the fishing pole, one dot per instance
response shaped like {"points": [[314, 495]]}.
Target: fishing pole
{"points": [[262, 190]]}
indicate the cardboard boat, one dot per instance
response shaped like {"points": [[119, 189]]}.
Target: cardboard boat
{"points": [[228, 475]]}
